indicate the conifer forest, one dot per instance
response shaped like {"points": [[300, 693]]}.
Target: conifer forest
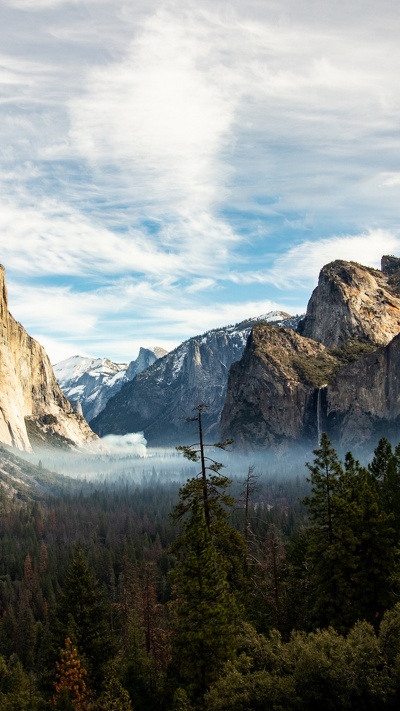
{"points": [[245, 594]]}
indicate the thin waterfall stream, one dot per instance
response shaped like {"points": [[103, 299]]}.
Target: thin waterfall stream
{"points": [[319, 413]]}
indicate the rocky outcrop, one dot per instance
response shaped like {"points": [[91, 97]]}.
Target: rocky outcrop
{"points": [[273, 391], [89, 383], [159, 400], [145, 359], [362, 402], [352, 302], [390, 265], [285, 391], [32, 405]]}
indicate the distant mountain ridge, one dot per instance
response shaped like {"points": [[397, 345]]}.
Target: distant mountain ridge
{"points": [[91, 382], [161, 398], [336, 369]]}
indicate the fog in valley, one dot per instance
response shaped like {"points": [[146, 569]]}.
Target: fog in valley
{"points": [[127, 459]]}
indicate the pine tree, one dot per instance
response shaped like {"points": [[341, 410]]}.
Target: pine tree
{"points": [[210, 489], [209, 551], [209, 486], [204, 609], [70, 689], [324, 543], [83, 613], [113, 696], [385, 468], [382, 461], [375, 576], [352, 542]]}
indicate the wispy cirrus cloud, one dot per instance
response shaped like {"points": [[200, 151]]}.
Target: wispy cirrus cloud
{"points": [[183, 162], [115, 320], [60, 240]]}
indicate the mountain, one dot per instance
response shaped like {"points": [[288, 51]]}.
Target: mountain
{"points": [[33, 410], [362, 402], [159, 400], [270, 398], [339, 373], [352, 302], [91, 382]]}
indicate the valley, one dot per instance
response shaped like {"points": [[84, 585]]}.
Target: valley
{"points": [[223, 535]]}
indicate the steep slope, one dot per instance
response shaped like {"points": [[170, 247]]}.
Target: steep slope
{"points": [[362, 403], [284, 390], [30, 397], [352, 302], [159, 400], [22, 481], [273, 390], [93, 381]]}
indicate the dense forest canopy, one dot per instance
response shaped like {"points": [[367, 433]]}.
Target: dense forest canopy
{"points": [[205, 591]]}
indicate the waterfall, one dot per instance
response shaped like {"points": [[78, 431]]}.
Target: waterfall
{"points": [[319, 418], [319, 413]]}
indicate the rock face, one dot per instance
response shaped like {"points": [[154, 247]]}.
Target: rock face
{"points": [[284, 391], [160, 399], [145, 359], [362, 401], [352, 302], [273, 391], [91, 382], [32, 405]]}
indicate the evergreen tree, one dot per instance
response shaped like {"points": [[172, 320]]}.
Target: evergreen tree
{"points": [[209, 551], [382, 461], [210, 488], [324, 505], [352, 543], [375, 568], [113, 696], [204, 610], [83, 613], [70, 689], [385, 468]]}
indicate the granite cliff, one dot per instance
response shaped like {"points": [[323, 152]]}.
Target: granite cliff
{"points": [[362, 402], [272, 390], [159, 400], [352, 302], [32, 407], [286, 390]]}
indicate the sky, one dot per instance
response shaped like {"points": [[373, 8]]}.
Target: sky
{"points": [[171, 167]]}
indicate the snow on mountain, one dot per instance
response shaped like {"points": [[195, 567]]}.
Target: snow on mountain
{"points": [[158, 401], [73, 368], [92, 381]]}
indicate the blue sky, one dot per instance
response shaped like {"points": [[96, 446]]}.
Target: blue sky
{"points": [[170, 167]]}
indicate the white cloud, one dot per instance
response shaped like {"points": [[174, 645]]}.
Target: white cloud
{"points": [[38, 5], [201, 285], [390, 180], [132, 443], [53, 238], [162, 113], [301, 265]]}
